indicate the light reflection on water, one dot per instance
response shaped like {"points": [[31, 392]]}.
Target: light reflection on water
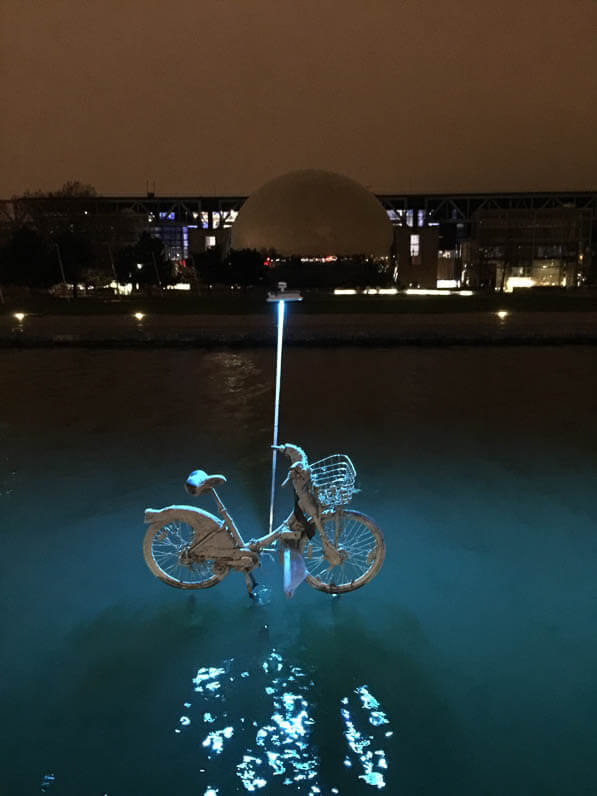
{"points": [[279, 745]]}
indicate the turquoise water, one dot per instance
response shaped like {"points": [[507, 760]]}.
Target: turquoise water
{"points": [[466, 667]]}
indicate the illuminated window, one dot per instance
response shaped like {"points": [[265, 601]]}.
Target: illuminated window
{"points": [[415, 245], [210, 241], [409, 218], [204, 219], [215, 219], [229, 218], [420, 218]]}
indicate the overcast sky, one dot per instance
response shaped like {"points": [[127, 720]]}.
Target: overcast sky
{"points": [[217, 97]]}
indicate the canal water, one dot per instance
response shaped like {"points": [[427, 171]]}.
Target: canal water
{"points": [[467, 666]]}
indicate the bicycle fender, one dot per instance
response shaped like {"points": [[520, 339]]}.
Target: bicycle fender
{"points": [[198, 518], [204, 524]]}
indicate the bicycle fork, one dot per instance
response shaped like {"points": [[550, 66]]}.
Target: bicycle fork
{"points": [[333, 556]]}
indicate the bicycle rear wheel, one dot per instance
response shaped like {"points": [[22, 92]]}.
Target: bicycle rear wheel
{"points": [[359, 541], [164, 548]]}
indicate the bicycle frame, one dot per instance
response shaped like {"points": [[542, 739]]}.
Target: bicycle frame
{"points": [[222, 541]]}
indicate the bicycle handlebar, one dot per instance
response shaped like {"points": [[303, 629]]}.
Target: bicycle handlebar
{"points": [[294, 453]]}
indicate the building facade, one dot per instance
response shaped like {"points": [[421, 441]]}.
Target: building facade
{"points": [[482, 241]]}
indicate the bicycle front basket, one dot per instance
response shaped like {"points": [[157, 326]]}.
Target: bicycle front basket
{"points": [[333, 480]]}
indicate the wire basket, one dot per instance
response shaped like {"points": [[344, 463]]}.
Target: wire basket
{"points": [[333, 480]]}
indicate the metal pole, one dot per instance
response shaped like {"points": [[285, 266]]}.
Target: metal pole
{"points": [[60, 263], [112, 263], [157, 273], [276, 408]]}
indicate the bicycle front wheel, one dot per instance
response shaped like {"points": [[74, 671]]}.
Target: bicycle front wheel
{"points": [[164, 549], [360, 543]]}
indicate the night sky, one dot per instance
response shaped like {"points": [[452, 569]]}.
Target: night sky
{"points": [[217, 97]]}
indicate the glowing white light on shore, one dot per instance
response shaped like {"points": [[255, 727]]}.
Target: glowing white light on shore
{"points": [[342, 292], [122, 290], [388, 291], [518, 281], [19, 316], [450, 284], [502, 314], [139, 315], [421, 291]]}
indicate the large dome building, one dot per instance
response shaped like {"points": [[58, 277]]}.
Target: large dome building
{"points": [[313, 214]]}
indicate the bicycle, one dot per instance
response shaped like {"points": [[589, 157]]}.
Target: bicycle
{"points": [[333, 548]]}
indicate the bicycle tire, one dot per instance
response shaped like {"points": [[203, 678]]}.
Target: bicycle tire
{"points": [[161, 556], [359, 537]]}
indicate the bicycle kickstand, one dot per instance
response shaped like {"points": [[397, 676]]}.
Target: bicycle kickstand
{"points": [[251, 583]]}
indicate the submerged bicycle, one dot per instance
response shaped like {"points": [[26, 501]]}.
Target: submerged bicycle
{"points": [[334, 549]]}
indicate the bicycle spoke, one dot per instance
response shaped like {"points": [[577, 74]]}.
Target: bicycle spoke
{"points": [[352, 538], [167, 546]]}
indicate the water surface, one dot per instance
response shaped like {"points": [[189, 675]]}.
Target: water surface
{"points": [[466, 667]]}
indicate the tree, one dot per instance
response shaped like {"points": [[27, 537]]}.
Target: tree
{"points": [[211, 267], [144, 263], [26, 259], [77, 254], [357, 271], [84, 230], [246, 267], [73, 189]]}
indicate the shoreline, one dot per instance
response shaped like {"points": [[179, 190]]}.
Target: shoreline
{"points": [[176, 331]]}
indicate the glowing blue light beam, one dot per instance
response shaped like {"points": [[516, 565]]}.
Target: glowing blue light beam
{"points": [[276, 408], [281, 297]]}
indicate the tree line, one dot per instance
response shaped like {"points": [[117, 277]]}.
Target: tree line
{"points": [[248, 267], [56, 237]]}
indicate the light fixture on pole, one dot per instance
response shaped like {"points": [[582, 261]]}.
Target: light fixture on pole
{"points": [[280, 297]]}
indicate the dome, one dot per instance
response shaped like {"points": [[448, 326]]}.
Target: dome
{"points": [[313, 214]]}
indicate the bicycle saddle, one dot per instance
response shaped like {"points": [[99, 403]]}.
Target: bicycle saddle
{"points": [[199, 481]]}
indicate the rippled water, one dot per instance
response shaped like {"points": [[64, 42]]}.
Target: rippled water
{"points": [[466, 667]]}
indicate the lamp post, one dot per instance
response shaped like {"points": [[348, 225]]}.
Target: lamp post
{"points": [[280, 297]]}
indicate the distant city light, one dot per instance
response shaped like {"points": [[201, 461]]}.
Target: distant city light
{"points": [[518, 281], [450, 284], [19, 316], [121, 290], [421, 291], [139, 266], [139, 315], [502, 314], [393, 291]]}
